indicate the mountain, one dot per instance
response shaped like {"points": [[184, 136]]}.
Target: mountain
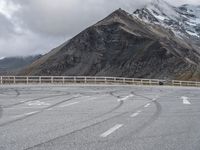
{"points": [[183, 20], [11, 65], [147, 44]]}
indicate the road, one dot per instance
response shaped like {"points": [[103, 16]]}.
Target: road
{"points": [[99, 118]]}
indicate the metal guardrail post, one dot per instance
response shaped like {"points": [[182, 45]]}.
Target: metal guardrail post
{"points": [[150, 82], [51, 79], [14, 80], [106, 79], [95, 80], [1, 80], [40, 80], [27, 78], [115, 79], [124, 80], [63, 79], [142, 83]]}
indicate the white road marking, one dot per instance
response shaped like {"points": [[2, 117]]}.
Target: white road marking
{"points": [[70, 104], [125, 98], [136, 114], [22, 108], [147, 105], [31, 113], [154, 99], [110, 131], [91, 98], [38, 103], [185, 100], [26, 114]]}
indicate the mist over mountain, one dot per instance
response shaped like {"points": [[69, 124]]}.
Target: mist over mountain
{"points": [[156, 41]]}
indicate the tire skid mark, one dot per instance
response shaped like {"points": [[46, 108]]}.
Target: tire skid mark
{"points": [[108, 112], [141, 96], [121, 103], [17, 93], [116, 96], [143, 126], [153, 118], [5, 92], [40, 98], [42, 110], [92, 125], [73, 132], [78, 130]]}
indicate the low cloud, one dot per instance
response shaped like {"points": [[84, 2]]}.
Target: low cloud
{"points": [[6, 27], [36, 26]]}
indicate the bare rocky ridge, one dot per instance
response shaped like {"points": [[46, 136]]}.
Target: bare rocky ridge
{"points": [[123, 45]]}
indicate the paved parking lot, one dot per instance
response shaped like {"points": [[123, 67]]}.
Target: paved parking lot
{"points": [[99, 117]]}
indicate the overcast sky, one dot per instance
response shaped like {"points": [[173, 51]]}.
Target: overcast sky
{"points": [[36, 26]]}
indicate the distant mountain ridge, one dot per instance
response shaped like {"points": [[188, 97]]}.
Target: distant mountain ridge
{"points": [[150, 43], [11, 65]]}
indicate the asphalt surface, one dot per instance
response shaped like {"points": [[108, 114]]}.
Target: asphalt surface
{"points": [[99, 118]]}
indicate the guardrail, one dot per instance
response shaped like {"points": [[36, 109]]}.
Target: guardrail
{"points": [[91, 80]]}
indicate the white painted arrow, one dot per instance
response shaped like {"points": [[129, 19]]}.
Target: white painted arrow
{"points": [[185, 100]]}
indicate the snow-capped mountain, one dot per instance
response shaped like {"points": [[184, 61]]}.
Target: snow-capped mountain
{"points": [[183, 20]]}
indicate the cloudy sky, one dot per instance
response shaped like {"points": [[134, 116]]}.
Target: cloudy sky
{"points": [[30, 27]]}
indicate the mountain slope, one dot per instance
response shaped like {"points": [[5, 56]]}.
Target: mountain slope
{"points": [[123, 45]]}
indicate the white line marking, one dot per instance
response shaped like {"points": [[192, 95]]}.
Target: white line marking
{"points": [[185, 100], [70, 104], [136, 114], [147, 105], [110, 131], [31, 113], [37, 103], [154, 99], [22, 108], [125, 98], [26, 114]]}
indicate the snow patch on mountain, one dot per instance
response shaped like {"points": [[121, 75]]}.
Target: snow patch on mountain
{"points": [[183, 20]]}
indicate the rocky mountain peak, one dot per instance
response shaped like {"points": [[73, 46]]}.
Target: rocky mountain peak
{"points": [[183, 20], [145, 44], [117, 16]]}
